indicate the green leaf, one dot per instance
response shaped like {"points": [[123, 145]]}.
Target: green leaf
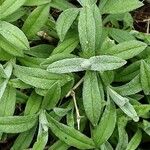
{"points": [[92, 97], [124, 104], [61, 5], [66, 65], [96, 63], [4, 55], [133, 87], [118, 6], [30, 61], [145, 77], [65, 21], [120, 35], [128, 73], [56, 57], [2, 72], [59, 145], [70, 135], [40, 51], [33, 104], [106, 62], [106, 126], [127, 49], [17, 124], [68, 45], [36, 2], [24, 140], [12, 39], [36, 21], [52, 97], [10, 6], [39, 78], [123, 136], [42, 133], [146, 126], [135, 141], [89, 28], [8, 101], [8, 72]]}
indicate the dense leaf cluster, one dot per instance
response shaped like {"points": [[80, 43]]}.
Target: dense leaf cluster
{"points": [[73, 75]]}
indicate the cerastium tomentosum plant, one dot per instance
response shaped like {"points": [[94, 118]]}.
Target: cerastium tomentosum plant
{"points": [[73, 75]]}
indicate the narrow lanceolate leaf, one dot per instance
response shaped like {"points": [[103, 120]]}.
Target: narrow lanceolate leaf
{"points": [[39, 78], [106, 125], [70, 135], [96, 63], [126, 50], [123, 136], [68, 45], [120, 35], [135, 141], [145, 77], [24, 139], [124, 104], [33, 104], [36, 21], [118, 6], [42, 133], [65, 21], [12, 39], [10, 6], [106, 62], [66, 65], [8, 101], [130, 88], [87, 30], [56, 57], [92, 98], [52, 97], [17, 124]]}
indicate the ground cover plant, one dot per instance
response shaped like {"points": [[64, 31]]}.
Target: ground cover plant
{"points": [[74, 74]]}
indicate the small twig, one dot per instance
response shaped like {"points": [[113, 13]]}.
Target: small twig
{"points": [[76, 108], [45, 36], [148, 25], [75, 87]]}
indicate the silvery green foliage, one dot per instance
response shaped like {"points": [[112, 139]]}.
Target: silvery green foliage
{"points": [[73, 75], [96, 63]]}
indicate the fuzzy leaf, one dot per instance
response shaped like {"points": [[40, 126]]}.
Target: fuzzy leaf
{"points": [[70, 135], [96, 63], [10, 6], [106, 125], [126, 50], [145, 77], [92, 98], [12, 39], [135, 141], [124, 104], [52, 97], [17, 124], [118, 6], [65, 21], [90, 29], [133, 87], [36, 21], [38, 77]]}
